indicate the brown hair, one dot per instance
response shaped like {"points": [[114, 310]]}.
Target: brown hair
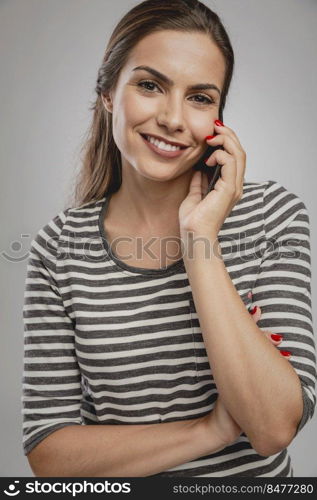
{"points": [[100, 172]]}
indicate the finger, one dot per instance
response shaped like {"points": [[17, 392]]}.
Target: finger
{"points": [[227, 142], [228, 174], [255, 313], [286, 354], [273, 337], [204, 184], [237, 152], [228, 131], [195, 187]]}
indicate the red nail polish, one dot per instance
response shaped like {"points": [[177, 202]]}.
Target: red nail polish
{"points": [[276, 337], [219, 123], [209, 137], [286, 353], [253, 311]]}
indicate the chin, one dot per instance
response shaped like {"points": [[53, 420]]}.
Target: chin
{"points": [[159, 178]]}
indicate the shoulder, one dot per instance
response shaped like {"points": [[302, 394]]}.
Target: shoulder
{"points": [[47, 240], [268, 191], [277, 195], [279, 207], [282, 209]]}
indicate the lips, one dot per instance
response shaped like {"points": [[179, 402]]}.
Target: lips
{"points": [[161, 152], [159, 138]]}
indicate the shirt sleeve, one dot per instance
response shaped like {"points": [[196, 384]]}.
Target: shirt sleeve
{"points": [[51, 386], [283, 286]]}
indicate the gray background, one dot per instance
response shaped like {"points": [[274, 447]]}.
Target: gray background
{"points": [[50, 52]]}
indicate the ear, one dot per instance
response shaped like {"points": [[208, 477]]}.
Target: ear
{"points": [[107, 102]]}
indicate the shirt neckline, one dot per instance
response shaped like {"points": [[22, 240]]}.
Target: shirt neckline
{"points": [[162, 271]]}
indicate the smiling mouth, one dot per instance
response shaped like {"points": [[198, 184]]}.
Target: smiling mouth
{"points": [[164, 146], [161, 148]]}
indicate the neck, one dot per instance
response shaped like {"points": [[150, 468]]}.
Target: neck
{"points": [[149, 205]]}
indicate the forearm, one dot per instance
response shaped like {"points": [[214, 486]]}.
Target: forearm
{"points": [[123, 450], [258, 386]]}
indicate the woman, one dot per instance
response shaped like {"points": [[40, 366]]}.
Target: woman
{"points": [[162, 351]]}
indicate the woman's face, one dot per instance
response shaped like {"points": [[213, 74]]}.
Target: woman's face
{"points": [[145, 104]]}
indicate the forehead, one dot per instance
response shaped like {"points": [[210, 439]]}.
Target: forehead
{"points": [[185, 56]]}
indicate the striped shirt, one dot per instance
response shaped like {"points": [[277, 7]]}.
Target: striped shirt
{"points": [[109, 343]]}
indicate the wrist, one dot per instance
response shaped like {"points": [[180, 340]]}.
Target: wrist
{"points": [[208, 434], [211, 235], [198, 246]]}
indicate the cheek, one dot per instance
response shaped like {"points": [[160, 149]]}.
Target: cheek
{"points": [[123, 118], [201, 125], [135, 109]]}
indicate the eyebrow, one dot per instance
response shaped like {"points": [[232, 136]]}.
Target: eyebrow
{"points": [[166, 79]]}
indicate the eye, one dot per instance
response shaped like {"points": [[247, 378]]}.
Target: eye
{"points": [[206, 100], [147, 83]]}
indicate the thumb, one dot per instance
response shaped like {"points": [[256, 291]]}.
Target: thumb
{"points": [[195, 185]]}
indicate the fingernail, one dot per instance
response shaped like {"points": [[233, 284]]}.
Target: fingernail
{"points": [[286, 353], [253, 311], [219, 123], [250, 295], [209, 137], [276, 337]]}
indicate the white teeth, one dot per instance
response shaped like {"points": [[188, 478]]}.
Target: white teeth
{"points": [[162, 145]]}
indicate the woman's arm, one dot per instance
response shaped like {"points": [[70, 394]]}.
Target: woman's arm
{"points": [[131, 450], [268, 397], [135, 450], [259, 387]]}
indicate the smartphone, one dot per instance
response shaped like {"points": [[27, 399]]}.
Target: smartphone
{"points": [[213, 173]]}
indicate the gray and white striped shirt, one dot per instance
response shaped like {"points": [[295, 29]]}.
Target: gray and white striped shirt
{"points": [[109, 343]]}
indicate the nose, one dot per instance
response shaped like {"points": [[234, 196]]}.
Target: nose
{"points": [[171, 114]]}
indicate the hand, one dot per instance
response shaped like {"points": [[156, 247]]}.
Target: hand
{"points": [[226, 427], [206, 216], [277, 338]]}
